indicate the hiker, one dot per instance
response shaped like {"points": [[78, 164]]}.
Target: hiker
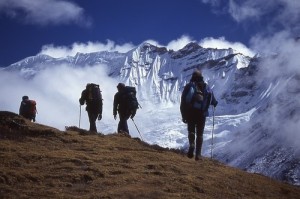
{"points": [[93, 99], [28, 108], [126, 104], [195, 101]]}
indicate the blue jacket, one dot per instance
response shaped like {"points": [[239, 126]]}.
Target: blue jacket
{"points": [[189, 104]]}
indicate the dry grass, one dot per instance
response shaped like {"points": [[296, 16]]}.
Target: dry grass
{"points": [[37, 161]]}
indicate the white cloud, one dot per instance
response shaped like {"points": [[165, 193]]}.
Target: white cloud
{"points": [[179, 43], [212, 2], [249, 9], [175, 45], [57, 95], [209, 42], [89, 47], [276, 14], [153, 42], [221, 43], [273, 14], [44, 12], [281, 53], [278, 45], [57, 90]]}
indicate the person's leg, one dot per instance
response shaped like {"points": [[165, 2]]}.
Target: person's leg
{"points": [[191, 136], [123, 126], [92, 119], [199, 139]]}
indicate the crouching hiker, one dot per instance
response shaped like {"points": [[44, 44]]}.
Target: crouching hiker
{"points": [[28, 108], [126, 104], [195, 101], [93, 99]]}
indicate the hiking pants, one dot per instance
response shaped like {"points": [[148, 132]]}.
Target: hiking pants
{"points": [[92, 118], [123, 126], [196, 126]]}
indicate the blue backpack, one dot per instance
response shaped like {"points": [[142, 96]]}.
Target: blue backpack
{"points": [[198, 96]]}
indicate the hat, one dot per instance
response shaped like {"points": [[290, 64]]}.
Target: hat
{"points": [[197, 73], [197, 76], [25, 97], [121, 85]]}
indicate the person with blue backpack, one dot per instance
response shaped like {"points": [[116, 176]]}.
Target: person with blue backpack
{"points": [[195, 101]]}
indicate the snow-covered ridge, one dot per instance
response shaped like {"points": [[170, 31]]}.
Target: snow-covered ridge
{"points": [[159, 74]]}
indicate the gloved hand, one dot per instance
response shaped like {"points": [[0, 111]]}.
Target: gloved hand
{"points": [[215, 104], [133, 114], [99, 117], [184, 120], [81, 102], [115, 116]]}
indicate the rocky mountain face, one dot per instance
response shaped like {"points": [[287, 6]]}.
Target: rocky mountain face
{"points": [[269, 143], [264, 144]]}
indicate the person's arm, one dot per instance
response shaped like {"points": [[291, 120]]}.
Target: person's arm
{"points": [[213, 102], [82, 99], [183, 105], [116, 103], [21, 109], [100, 109]]}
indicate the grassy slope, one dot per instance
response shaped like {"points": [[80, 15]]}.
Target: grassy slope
{"points": [[37, 161]]}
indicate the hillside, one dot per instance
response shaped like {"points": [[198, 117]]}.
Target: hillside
{"points": [[38, 161]]}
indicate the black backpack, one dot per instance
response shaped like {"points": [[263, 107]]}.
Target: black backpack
{"points": [[93, 92], [93, 95], [129, 99]]}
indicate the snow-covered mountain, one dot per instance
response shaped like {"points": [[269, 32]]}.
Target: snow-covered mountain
{"points": [[248, 133], [158, 74]]}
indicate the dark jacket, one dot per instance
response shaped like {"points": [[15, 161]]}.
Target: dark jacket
{"points": [[91, 105], [23, 109], [119, 104], [188, 112]]}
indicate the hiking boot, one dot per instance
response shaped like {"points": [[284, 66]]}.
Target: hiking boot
{"points": [[190, 153], [198, 157], [124, 133]]}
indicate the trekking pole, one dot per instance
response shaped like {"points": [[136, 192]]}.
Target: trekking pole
{"points": [[137, 129], [79, 114], [212, 134], [140, 105]]}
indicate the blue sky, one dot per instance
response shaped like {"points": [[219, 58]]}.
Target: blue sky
{"points": [[63, 27]]}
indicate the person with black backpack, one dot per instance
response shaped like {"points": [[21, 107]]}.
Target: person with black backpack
{"points": [[195, 101], [126, 104], [28, 108], [93, 98]]}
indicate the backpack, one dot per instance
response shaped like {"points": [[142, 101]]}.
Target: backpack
{"points": [[94, 97], [30, 108], [198, 96], [129, 99], [93, 93]]}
